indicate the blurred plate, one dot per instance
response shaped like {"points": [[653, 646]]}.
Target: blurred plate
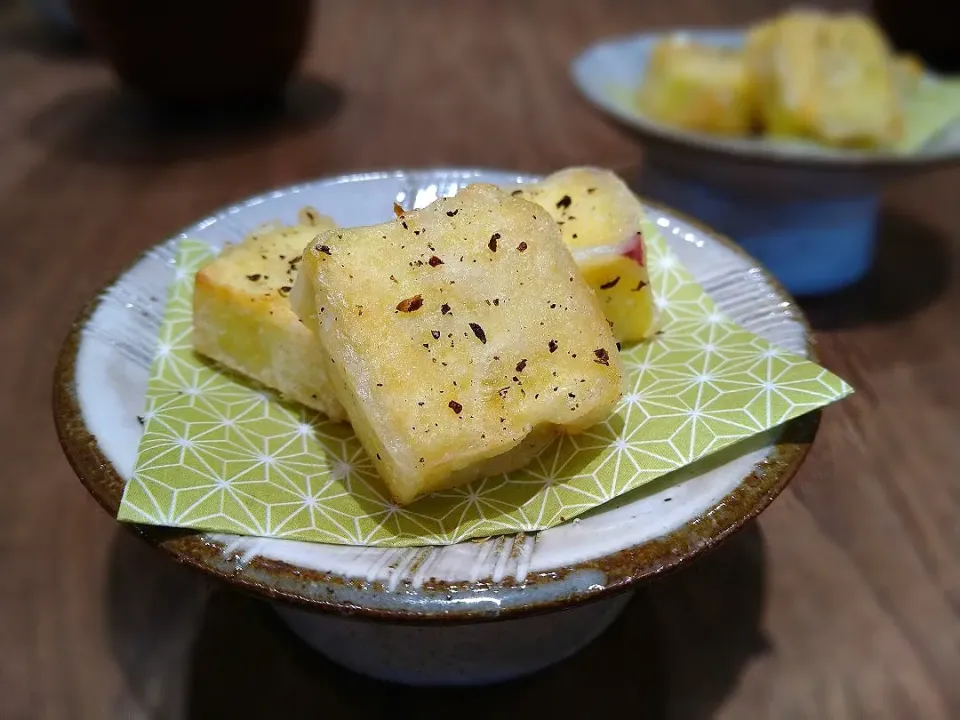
{"points": [[609, 72]]}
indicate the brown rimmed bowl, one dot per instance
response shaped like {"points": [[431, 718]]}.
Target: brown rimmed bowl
{"points": [[469, 613]]}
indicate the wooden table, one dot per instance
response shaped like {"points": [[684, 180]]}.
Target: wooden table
{"points": [[842, 602]]}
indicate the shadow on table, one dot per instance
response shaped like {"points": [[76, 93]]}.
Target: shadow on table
{"points": [[106, 124], [676, 652], [911, 270]]}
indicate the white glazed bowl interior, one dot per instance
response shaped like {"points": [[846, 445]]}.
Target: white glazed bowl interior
{"points": [[491, 577]]}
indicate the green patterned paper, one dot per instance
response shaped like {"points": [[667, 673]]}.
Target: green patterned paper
{"points": [[929, 110], [220, 455]]}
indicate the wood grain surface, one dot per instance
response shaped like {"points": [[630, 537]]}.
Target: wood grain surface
{"points": [[843, 601]]}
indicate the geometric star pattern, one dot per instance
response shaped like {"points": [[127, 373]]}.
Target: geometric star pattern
{"points": [[219, 454]]}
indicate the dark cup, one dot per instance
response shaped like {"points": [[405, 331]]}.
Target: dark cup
{"points": [[927, 28], [204, 52]]}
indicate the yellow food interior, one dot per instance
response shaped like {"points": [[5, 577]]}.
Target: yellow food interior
{"points": [[243, 319], [600, 219]]}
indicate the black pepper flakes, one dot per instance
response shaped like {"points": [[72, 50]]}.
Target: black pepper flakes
{"points": [[325, 249], [552, 345], [455, 406], [640, 286], [610, 284], [434, 261], [602, 356], [564, 202], [522, 246], [493, 242], [618, 347], [516, 192], [411, 304], [521, 365], [478, 331], [285, 290], [254, 277], [444, 309], [451, 213], [436, 334], [496, 301]]}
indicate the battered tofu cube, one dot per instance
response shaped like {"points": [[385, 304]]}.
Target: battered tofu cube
{"points": [[697, 87], [601, 221], [827, 78], [460, 338], [242, 317]]}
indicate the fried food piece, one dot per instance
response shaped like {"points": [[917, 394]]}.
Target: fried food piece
{"points": [[242, 317], [826, 78], [600, 219], [698, 88], [460, 338]]}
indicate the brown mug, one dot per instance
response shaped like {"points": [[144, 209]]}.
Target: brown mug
{"points": [[927, 28], [198, 51]]}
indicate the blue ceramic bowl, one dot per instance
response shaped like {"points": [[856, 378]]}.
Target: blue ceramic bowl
{"points": [[808, 213]]}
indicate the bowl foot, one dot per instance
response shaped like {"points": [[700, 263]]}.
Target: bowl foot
{"points": [[813, 246], [455, 654]]}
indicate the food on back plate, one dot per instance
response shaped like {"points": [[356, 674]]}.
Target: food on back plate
{"points": [[460, 338], [243, 320], [827, 78], [601, 220], [697, 87]]}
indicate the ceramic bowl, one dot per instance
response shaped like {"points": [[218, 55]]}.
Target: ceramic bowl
{"points": [[474, 612], [806, 212]]}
